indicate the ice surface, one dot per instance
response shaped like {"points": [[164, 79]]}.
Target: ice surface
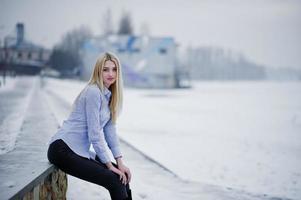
{"points": [[242, 135]]}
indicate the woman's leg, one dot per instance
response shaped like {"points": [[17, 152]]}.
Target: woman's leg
{"points": [[65, 159]]}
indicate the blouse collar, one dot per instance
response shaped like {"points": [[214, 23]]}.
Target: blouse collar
{"points": [[107, 92]]}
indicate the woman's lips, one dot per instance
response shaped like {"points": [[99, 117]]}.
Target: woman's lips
{"points": [[110, 79]]}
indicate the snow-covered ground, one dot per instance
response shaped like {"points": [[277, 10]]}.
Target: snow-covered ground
{"points": [[7, 83], [13, 108], [244, 135]]}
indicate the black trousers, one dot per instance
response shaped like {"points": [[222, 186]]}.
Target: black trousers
{"points": [[89, 170]]}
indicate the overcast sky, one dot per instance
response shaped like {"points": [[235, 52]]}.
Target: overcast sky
{"points": [[266, 31]]}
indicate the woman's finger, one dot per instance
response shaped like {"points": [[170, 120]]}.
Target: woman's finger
{"points": [[129, 175], [124, 178], [120, 175]]}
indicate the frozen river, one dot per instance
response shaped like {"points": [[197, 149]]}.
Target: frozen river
{"points": [[244, 135]]}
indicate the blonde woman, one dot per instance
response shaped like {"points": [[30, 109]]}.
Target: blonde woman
{"points": [[92, 121]]}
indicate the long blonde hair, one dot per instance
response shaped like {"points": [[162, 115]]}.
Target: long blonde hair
{"points": [[116, 88]]}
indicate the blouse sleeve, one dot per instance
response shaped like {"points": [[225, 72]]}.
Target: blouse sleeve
{"points": [[112, 138], [95, 133]]}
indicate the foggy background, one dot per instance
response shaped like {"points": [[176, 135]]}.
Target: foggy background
{"points": [[267, 32], [212, 100]]}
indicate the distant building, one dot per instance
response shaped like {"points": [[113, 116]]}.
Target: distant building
{"points": [[22, 56], [148, 62]]}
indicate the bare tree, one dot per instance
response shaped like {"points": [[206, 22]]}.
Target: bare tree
{"points": [[65, 56], [125, 24], [107, 24], [74, 39]]}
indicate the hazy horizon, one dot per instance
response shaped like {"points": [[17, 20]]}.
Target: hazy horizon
{"points": [[267, 32]]}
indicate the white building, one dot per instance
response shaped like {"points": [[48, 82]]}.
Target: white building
{"points": [[146, 61], [22, 56]]}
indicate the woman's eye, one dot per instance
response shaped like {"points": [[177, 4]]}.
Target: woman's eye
{"points": [[105, 69], [115, 69]]}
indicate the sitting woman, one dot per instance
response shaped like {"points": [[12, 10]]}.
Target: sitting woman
{"points": [[92, 121]]}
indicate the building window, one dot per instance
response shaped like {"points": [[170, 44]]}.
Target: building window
{"points": [[135, 50], [120, 50], [163, 51], [29, 56], [41, 55], [20, 55]]}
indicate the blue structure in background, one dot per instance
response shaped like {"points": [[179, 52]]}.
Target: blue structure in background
{"points": [[128, 71], [146, 61]]}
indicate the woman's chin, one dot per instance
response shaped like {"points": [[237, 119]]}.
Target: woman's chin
{"points": [[109, 83]]}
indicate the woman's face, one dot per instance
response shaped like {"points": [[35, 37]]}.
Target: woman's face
{"points": [[109, 73]]}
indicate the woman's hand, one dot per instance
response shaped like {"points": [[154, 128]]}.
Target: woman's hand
{"points": [[121, 174], [124, 169]]}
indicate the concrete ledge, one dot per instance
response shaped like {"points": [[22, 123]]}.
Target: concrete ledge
{"points": [[52, 184]]}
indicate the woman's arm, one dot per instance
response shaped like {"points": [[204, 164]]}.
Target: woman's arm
{"points": [[95, 133], [113, 143], [119, 161], [112, 138]]}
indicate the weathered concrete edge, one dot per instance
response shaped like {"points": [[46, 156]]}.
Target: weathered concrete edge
{"points": [[28, 187]]}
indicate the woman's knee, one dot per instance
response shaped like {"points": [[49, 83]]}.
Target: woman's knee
{"points": [[51, 154], [116, 187]]}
